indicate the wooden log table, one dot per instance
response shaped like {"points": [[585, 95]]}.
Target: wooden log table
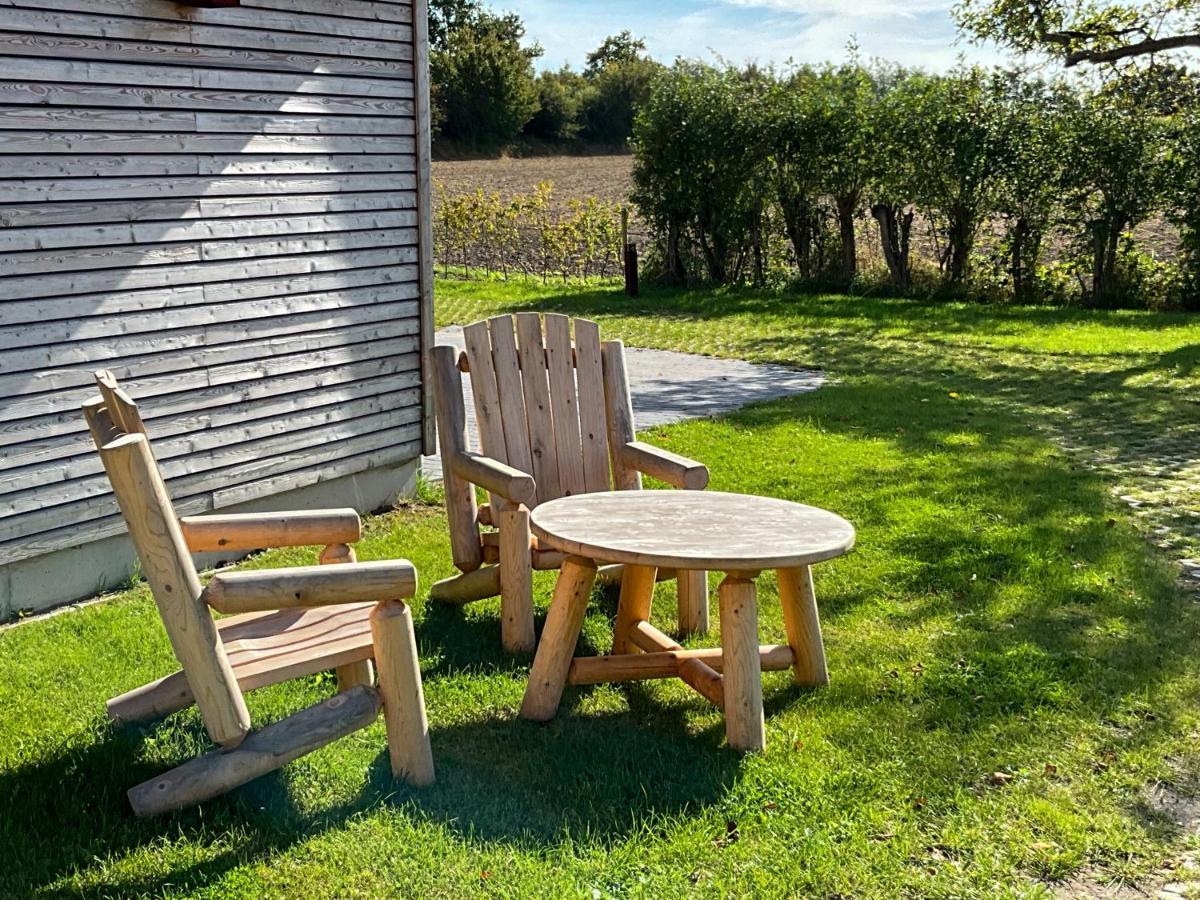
{"points": [[704, 530]]}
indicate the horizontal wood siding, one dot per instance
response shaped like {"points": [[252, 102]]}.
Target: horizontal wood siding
{"points": [[223, 206]]}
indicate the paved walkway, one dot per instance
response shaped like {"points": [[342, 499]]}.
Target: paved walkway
{"points": [[671, 387]]}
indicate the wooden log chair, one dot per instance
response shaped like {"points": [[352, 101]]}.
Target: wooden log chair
{"points": [[555, 419], [284, 624]]}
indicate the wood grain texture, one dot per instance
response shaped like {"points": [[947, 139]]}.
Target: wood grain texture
{"points": [[692, 530], [803, 625], [593, 424], [516, 582], [168, 568], [309, 586], [461, 508], [745, 728], [536, 391], [552, 663], [403, 694], [564, 405]]}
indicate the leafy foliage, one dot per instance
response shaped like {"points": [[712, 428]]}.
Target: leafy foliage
{"points": [[1085, 31], [483, 81]]}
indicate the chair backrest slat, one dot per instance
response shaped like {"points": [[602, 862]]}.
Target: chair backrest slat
{"points": [[487, 395], [619, 414], [540, 400], [564, 405], [592, 426], [167, 564], [536, 390], [512, 395]]}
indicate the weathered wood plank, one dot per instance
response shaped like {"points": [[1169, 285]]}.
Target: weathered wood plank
{"points": [[180, 370], [40, 309], [74, 71], [143, 97], [228, 189], [14, 240], [221, 323], [212, 407], [72, 469], [254, 418], [100, 165], [163, 343], [49, 215], [198, 471], [75, 36], [380, 33], [191, 142], [146, 276], [107, 526]]}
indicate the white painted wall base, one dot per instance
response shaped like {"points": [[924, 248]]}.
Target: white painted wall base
{"points": [[77, 573]]}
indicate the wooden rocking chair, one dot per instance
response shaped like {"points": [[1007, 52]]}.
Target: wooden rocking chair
{"points": [[287, 623], [555, 419]]}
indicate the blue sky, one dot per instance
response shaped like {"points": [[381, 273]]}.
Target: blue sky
{"points": [[912, 32]]}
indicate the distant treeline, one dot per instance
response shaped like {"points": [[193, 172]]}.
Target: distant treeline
{"points": [[487, 97], [1024, 188]]}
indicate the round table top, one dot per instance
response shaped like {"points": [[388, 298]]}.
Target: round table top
{"points": [[691, 530]]}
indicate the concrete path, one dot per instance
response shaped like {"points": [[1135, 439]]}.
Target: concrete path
{"points": [[670, 387]]}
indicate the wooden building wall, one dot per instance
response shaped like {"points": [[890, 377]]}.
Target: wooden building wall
{"points": [[224, 206]]}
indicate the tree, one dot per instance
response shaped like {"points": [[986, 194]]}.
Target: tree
{"points": [[619, 75], [615, 50], [484, 81], [1030, 166], [1085, 31], [949, 126], [561, 96], [447, 16], [693, 170], [849, 92], [892, 181], [1119, 176], [799, 143]]}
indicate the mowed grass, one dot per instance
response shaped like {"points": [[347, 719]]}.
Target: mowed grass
{"points": [[1001, 614]]}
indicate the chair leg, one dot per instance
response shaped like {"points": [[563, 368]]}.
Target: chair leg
{"points": [[742, 666], [693, 602], [637, 594], [354, 674], [803, 626], [467, 587], [516, 582], [553, 661], [403, 696]]}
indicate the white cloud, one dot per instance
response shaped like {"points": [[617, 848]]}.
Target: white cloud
{"points": [[916, 33]]}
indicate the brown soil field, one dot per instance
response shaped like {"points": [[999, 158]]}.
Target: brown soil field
{"points": [[605, 177]]}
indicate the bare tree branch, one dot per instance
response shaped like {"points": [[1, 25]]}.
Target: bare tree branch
{"points": [[1141, 48]]}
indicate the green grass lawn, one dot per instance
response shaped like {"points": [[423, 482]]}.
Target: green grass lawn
{"points": [[1002, 613]]}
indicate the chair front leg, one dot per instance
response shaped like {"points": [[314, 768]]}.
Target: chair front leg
{"points": [[354, 674], [693, 601]]}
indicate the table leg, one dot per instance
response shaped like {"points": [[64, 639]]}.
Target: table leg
{"points": [[803, 625], [563, 623], [744, 725], [693, 601], [637, 593]]}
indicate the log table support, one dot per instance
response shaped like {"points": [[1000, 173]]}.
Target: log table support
{"points": [[553, 661], [744, 725]]}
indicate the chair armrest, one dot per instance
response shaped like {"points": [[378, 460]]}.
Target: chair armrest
{"points": [[257, 531], [494, 476], [307, 586], [664, 465]]}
